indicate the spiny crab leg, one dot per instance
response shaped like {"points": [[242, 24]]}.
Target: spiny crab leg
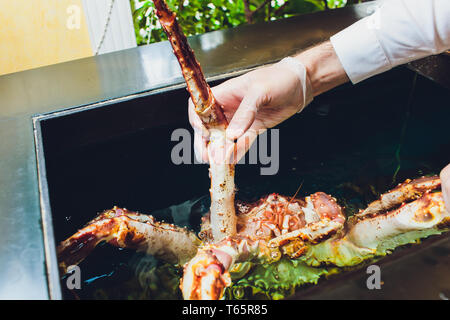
{"points": [[126, 229], [413, 210], [406, 191], [425, 213], [223, 218]]}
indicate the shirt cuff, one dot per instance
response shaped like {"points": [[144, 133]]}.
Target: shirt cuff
{"points": [[359, 50]]}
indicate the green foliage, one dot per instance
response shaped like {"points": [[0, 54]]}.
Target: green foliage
{"points": [[276, 280], [200, 16]]}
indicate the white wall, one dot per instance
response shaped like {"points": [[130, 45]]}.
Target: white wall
{"points": [[120, 32]]}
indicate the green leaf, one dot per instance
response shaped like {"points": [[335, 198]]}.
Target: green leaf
{"points": [[199, 16]]}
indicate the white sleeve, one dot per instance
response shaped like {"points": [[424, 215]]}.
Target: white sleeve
{"points": [[398, 32]]}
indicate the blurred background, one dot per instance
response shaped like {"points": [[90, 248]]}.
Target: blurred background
{"points": [[37, 33]]}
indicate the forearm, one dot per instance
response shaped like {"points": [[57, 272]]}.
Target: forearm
{"points": [[398, 32], [324, 69]]}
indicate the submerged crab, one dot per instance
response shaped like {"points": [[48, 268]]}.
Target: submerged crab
{"points": [[311, 232], [242, 244]]}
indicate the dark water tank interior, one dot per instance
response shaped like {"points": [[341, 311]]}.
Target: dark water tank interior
{"points": [[353, 142]]}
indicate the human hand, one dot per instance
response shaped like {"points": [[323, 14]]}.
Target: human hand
{"points": [[254, 102], [445, 185]]}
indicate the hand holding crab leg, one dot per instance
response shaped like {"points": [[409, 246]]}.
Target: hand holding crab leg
{"points": [[222, 190]]}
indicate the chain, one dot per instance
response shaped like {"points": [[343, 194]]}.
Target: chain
{"points": [[150, 28], [105, 29]]}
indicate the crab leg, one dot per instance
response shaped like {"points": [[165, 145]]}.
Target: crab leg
{"points": [[406, 191], [125, 229], [400, 218], [425, 213], [223, 218]]}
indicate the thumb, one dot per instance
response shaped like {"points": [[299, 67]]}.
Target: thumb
{"points": [[245, 115]]}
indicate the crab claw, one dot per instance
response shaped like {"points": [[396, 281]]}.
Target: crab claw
{"points": [[205, 276]]}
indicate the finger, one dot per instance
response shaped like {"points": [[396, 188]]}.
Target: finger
{"points": [[221, 154], [229, 93], [445, 185], [200, 148], [243, 144], [245, 115], [195, 121]]}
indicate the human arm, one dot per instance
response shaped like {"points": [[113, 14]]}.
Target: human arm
{"points": [[265, 97], [398, 32]]}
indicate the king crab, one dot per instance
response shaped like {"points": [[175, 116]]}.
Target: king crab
{"points": [[313, 230]]}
